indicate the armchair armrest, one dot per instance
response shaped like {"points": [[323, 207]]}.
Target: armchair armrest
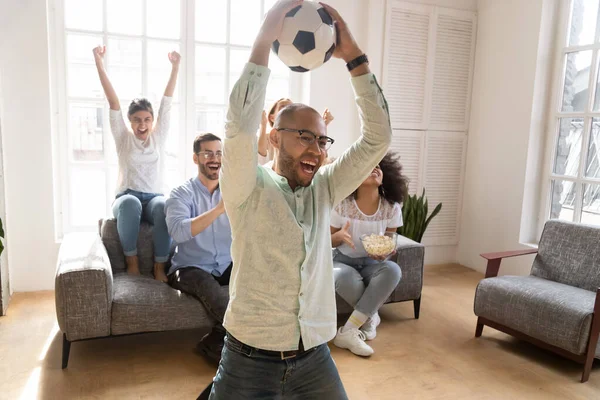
{"points": [[410, 257], [83, 287], [494, 259]]}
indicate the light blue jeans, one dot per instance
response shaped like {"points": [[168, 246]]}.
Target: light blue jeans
{"points": [[129, 208], [246, 374], [365, 283]]}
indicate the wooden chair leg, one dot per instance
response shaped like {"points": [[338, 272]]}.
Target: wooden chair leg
{"points": [[587, 369], [593, 341], [66, 350], [478, 328], [417, 307]]}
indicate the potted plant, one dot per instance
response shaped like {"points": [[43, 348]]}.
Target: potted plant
{"points": [[414, 216]]}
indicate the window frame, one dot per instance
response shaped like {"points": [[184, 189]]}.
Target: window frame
{"points": [[186, 101], [561, 49]]}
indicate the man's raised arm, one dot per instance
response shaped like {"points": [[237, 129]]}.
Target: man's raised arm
{"points": [[355, 164], [246, 102]]}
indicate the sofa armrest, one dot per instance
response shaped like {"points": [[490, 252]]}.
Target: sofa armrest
{"points": [[494, 259], [83, 287], [410, 257]]}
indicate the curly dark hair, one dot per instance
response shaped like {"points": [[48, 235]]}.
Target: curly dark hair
{"points": [[394, 186]]}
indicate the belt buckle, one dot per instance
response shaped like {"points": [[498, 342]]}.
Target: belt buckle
{"points": [[284, 357]]}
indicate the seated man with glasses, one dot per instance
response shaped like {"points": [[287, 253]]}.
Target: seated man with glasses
{"points": [[198, 224]]}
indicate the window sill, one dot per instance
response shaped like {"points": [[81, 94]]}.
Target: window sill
{"points": [[530, 245]]}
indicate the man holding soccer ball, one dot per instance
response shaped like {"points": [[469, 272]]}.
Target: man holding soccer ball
{"points": [[282, 310]]}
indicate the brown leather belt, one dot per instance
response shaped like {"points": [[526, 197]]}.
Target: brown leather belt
{"points": [[283, 355]]}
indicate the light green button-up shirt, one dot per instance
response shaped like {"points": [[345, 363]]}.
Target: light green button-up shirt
{"points": [[282, 286]]}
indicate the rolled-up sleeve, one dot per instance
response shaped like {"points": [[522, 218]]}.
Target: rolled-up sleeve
{"points": [[240, 155], [178, 213], [350, 170]]}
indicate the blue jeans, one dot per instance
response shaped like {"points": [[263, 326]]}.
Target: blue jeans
{"points": [[247, 374], [365, 283], [129, 208]]}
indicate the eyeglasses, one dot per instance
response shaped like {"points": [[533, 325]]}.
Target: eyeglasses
{"points": [[307, 138], [209, 155]]}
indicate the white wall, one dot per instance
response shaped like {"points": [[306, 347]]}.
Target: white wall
{"points": [[27, 144], [512, 70], [5, 289]]}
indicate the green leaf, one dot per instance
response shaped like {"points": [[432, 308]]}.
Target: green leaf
{"points": [[414, 222], [420, 217], [1, 247], [1, 229], [410, 229], [435, 212], [406, 208]]}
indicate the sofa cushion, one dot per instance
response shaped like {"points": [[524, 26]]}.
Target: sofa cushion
{"points": [[552, 312], [142, 304], [569, 253]]}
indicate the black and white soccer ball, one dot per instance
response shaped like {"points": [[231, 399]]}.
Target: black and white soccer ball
{"points": [[307, 39]]}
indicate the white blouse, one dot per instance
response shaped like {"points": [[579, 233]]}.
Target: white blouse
{"points": [[141, 162], [387, 216]]}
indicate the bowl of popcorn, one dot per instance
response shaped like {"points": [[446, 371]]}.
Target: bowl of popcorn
{"points": [[381, 245]]}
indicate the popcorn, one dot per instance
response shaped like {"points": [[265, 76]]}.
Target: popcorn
{"points": [[378, 245]]}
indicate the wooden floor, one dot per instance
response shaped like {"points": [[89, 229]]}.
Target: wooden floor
{"points": [[435, 357]]}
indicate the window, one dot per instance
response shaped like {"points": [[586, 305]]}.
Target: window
{"points": [[574, 182], [214, 38]]}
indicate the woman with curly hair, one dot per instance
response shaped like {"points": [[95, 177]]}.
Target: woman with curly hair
{"points": [[363, 281]]}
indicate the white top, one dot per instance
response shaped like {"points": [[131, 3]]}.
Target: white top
{"points": [[387, 216], [141, 162], [267, 160], [282, 283], [262, 160]]}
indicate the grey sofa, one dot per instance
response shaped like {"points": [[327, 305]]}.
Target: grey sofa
{"points": [[557, 306], [95, 297]]}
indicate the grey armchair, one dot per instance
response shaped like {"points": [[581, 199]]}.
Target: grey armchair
{"points": [[556, 307], [410, 257]]}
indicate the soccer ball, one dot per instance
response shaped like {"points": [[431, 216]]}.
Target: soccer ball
{"points": [[307, 39]]}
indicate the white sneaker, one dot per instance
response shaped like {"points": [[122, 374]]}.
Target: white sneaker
{"points": [[353, 340], [370, 327]]}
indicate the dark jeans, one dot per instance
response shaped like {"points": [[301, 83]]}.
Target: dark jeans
{"points": [[246, 374], [212, 291]]}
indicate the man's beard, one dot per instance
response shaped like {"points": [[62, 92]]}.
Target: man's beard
{"points": [[289, 168], [208, 173]]}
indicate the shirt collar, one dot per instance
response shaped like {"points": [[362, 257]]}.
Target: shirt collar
{"points": [[198, 184], [281, 181]]}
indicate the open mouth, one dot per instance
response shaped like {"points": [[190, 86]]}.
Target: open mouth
{"points": [[142, 132], [213, 167], [308, 167]]}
